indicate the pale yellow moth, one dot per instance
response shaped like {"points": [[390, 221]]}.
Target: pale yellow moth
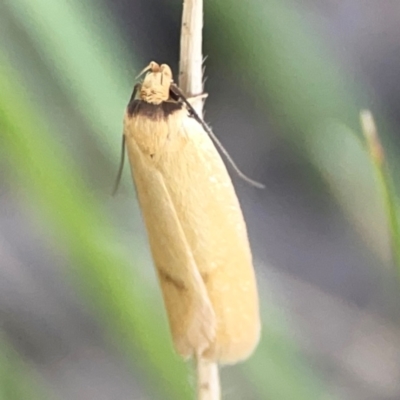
{"points": [[195, 226]]}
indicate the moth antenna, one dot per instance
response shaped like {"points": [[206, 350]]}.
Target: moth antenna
{"points": [[252, 182], [229, 158], [153, 66], [122, 158], [121, 167]]}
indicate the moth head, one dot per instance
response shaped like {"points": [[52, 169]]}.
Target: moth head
{"points": [[156, 84]]}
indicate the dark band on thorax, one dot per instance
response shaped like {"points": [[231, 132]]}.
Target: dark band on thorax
{"points": [[153, 111]]}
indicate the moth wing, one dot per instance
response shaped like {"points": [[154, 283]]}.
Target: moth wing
{"points": [[212, 221], [190, 312]]}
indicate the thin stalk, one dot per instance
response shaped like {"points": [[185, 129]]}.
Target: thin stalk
{"points": [[208, 387], [191, 83], [191, 57]]}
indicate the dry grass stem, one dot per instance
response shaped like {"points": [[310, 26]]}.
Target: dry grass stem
{"points": [[191, 83], [191, 57], [208, 387]]}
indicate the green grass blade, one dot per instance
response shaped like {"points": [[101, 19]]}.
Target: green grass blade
{"points": [[82, 49], [384, 180], [16, 380], [118, 295]]}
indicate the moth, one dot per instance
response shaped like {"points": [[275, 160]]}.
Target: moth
{"points": [[197, 234]]}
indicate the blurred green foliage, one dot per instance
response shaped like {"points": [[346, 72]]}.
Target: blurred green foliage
{"points": [[384, 183], [16, 381], [72, 51]]}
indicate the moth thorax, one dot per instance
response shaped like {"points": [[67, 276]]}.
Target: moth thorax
{"points": [[154, 94]]}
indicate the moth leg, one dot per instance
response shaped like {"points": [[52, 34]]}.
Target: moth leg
{"points": [[197, 97]]}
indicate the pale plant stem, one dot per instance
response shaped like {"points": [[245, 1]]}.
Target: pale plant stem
{"points": [[191, 57], [191, 83], [208, 387]]}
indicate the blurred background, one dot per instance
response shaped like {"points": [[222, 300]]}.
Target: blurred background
{"points": [[80, 308]]}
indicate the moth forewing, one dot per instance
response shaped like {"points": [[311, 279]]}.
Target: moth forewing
{"points": [[191, 316], [195, 226]]}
